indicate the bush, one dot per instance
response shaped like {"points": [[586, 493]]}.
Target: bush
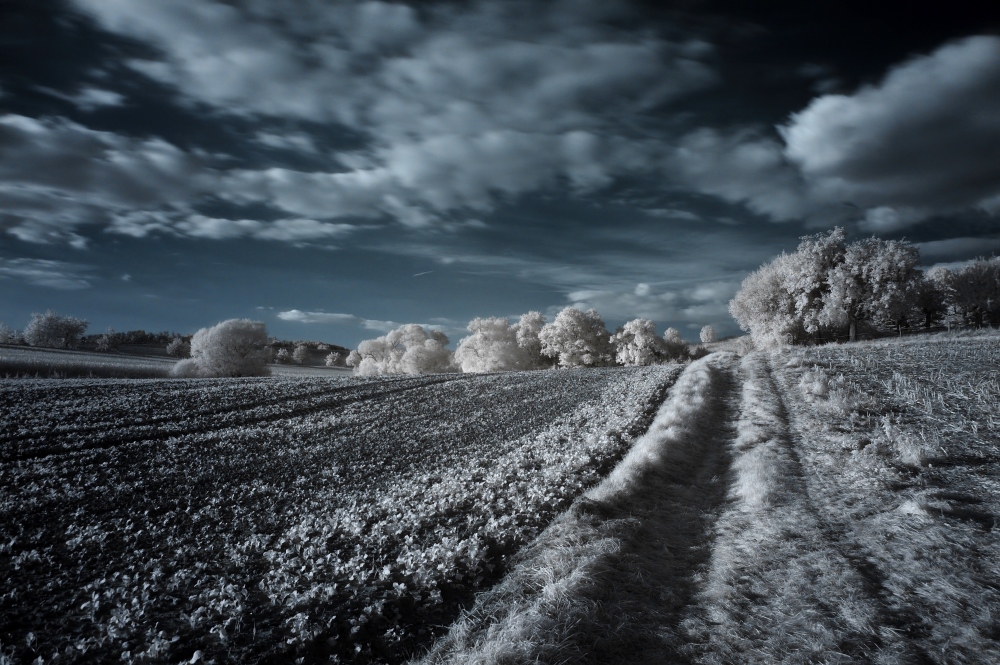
{"points": [[237, 347], [495, 345], [707, 335], [407, 350]]}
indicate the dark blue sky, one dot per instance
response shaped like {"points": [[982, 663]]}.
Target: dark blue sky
{"points": [[338, 168]]}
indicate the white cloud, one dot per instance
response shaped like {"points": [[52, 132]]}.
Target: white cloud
{"points": [[316, 317], [673, 213], [52, 274], [293, 141], [462, 105], [88, 99], [743, 167], [943, 249], [924, 141], [57, 176]]}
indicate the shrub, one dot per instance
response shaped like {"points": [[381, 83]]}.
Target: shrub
{"points": [[707, 335], [407, 350], [237, 347]]}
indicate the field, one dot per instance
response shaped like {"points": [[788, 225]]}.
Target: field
{"points": [[42, 363], [832, 504], [263, 520]]}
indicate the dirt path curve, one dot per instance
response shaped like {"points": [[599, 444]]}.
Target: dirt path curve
{"points": [[610, 581]]}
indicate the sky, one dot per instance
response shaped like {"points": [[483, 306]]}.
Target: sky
{"points": [[336, 168]]}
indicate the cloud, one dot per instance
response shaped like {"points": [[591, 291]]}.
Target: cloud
{"points": [[293, 141], [316, 317], [461, 105], [938, 250], [673, 213], [51, 274], [57, 176], [744, 166], [702, 303], [923, 141], [88, 99]]}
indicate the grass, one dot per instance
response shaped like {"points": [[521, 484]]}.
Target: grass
{"points": [[33, 363]]}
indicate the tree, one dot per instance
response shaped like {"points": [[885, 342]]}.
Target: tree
{"points": [[973, 292], [495, 345], [236, 347], [928, 299], [283, 357], [407, 350], [54, 331], [109, 341], [6, 334], [807, 277], [636, 343], [529, 327], [826, 286], [178, 348], [707, 335], [675, 349], [576, 339], [873, 280], [332, 359], [301, 354]]}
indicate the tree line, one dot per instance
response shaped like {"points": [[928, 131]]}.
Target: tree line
{"points": [[575, 338], [830, 289]]}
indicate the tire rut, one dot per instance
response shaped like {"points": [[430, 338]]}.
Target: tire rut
{"points": [[779, 588]]}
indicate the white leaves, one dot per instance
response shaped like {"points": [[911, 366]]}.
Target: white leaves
{"points": [[576, 338], [236, 347]]}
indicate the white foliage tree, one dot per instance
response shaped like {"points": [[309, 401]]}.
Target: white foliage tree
{"points": [[54, 331], [496, 345], [636, 343], [283, 357], [109, 341], [826, 287], [178, 348], [675, 349], [301, 354], [707, 334], [407, 350], [873, 281], [765, 308], [6, 334], [577, 339], [529, 327], [332, 359], [237, 347]]}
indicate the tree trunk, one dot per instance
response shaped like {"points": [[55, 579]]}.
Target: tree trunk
{"points": [[854, 329]]}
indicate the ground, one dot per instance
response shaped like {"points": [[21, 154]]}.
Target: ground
{"points": [[831, 504]]}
